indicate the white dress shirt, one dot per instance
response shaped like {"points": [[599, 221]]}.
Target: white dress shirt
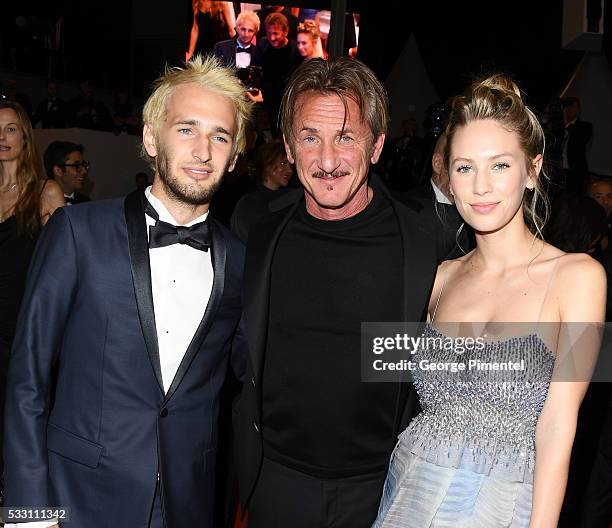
{"points": [[35, 524], [440, 196], [243, 60], [181, 280]]}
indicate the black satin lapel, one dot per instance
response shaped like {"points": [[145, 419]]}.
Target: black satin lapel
{"points": [[218, 257], [141, 275], [257, 272]]}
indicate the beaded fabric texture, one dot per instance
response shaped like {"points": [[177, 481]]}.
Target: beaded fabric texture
{"points": [[480, 425]]}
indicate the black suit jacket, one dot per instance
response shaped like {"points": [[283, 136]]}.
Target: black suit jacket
{"points": [[88, 310], [295, 58], [54, 115], [273, 82], [226, 51], [417, 231], [453, 240]]}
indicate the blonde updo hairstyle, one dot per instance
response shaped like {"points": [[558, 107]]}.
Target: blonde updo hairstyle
{"points": [[309, 27], [498, 98]]}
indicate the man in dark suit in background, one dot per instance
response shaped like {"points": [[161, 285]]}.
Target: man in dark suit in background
{"points": [[280, 58], [455, 238], [65, 164], [137, 302], [313, 439], [577, 135], [52, 111], [241, 52], [408, 155]]}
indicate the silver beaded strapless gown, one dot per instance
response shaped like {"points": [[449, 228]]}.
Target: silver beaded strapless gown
{"points": [[467, 459]]}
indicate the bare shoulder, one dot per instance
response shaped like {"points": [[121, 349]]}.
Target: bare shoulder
{"points": [[443, 267], [449, 265], [51, 191], [578, 268], [446, 269], [444, 273], [581, 288], [51, 197]]}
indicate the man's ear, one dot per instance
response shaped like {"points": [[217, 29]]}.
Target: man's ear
{"points": [[378, 146], [437, 163], [148, 140], [57, 171], [290, 157], [232, 163]]}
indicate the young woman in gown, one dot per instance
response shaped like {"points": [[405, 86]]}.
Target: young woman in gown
{"points": [[482, 453]]}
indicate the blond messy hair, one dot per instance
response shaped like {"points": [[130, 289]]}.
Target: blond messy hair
{"points": [[249, 16], [209, 73]]}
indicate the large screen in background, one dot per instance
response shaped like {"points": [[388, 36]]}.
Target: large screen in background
{"points": [[211, 22]]}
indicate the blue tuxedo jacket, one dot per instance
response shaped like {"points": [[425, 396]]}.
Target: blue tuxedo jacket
{"points": [[88, 312]]}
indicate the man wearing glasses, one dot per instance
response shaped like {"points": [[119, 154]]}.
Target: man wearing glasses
{"points": [[65, 164]]}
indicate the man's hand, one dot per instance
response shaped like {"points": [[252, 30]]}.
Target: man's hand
{"points": [[255, 95]]}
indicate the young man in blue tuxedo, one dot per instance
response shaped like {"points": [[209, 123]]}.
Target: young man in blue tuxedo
{"points": [[136, 302]]}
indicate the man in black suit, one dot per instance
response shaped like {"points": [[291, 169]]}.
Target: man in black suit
{"points": [[577, 135], [65, 164], [409, 152], [52, 111], [87, 111], [280, 58], [313, 439], [455, 238], [136, 302], [240, 51]]}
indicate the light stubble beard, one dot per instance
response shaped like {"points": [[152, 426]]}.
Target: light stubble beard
{"points": [[192, 195]]}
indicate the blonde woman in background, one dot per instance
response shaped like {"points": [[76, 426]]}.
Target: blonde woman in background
{"points": [[309, 41]]}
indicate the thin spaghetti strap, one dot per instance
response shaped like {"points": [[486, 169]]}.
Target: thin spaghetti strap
{"points": [[545, 296], [42, 187], [433, 316]]}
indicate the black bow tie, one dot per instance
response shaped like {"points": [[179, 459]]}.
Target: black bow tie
{"points": [[243, 50], [164, 234]]}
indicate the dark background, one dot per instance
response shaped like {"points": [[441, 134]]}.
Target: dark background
{"points": [[127, 42]]}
